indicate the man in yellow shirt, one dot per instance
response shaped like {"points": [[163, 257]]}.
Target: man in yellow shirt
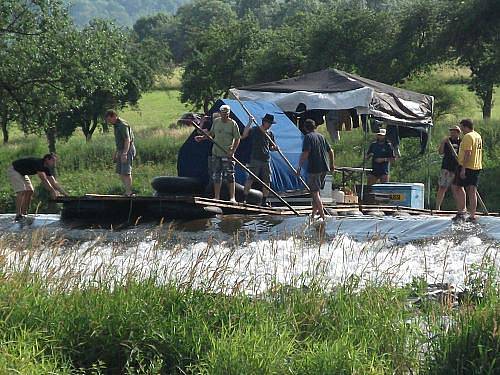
{"points": [[470, 155]]}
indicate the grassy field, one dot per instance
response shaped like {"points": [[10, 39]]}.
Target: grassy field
{"points": [[88, 168]]}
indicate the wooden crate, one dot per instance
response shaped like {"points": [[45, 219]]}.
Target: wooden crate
{"points": [[350, 199]]}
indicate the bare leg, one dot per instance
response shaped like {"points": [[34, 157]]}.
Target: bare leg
{"points": [[440, 196], [127, 182], [217, 186], [231, 191], [318, 204], [19, 202], [372, 179], [460, 199], [28, 194], [472, 195], [248, 185], [384, 178]]}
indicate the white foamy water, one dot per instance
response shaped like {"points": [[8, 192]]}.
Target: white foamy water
{"points": [[253, 255]]}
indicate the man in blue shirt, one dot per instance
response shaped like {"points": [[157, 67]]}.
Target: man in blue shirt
{"points": [[382, 153]]}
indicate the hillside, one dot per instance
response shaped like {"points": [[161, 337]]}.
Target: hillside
{"points": [[123, 12]]}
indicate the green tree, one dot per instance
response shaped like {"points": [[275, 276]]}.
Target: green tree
{"points": [[194, 19], [37, 42], [473, 31], [98, 69], [219, 61], [357, 40], [281, 53]]}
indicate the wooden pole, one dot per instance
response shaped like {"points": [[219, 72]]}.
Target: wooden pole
{"points": [[477, 192], [245, 168], [275, 146]]}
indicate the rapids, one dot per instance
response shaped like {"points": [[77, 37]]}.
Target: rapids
{"points": [[253, 254]]}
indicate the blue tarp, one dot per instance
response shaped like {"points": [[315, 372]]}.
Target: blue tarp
{"points": [[193, 156]]}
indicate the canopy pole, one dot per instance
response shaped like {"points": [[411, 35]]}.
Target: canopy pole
{"points": [[429, 169], [363, 173]]}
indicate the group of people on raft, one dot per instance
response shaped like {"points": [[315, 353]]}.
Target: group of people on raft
{"points": [[461, 165]]}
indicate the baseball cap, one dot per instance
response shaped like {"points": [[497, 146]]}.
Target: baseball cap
{"points": [[225, 108], [381, 131]]}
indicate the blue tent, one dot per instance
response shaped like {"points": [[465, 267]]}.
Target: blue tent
{"points": [[193, 156]]}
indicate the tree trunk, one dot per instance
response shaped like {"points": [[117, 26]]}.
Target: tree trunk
{"points": [[5, 131], [86, 130], [51, 138], [95, 122], [488, 103], [206, 105]]}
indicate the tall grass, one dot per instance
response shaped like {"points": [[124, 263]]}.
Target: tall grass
{"points": [[54, 318]]}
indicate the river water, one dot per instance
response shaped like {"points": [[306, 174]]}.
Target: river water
{"points": [[252, 254]]}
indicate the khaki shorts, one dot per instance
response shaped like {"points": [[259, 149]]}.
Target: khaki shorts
{"points": [[446, 178], [126, 167], [18, 181]]}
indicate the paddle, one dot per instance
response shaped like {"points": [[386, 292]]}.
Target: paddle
{"points": [[477, 192], [245, 168], [274, 145]]}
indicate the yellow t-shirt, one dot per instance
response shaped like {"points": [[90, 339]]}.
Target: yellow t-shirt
{"points": [[471, 142]]}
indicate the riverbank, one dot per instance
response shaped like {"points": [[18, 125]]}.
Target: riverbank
{"points": [[177, 300]]}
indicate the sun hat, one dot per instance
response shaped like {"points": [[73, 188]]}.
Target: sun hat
{"points": [[269, 118]]}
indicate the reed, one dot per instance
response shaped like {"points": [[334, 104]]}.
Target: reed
{"points": [[117, 304]]}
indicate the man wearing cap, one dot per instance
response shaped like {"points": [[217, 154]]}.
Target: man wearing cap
{"points": [[259, 158], [470, 157], [226, 133], [125, 149], [382, 153], [316, 150], [449, 149]]}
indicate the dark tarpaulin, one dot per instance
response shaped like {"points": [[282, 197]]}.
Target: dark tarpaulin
{"points": [[391, 104], [323, 81]]}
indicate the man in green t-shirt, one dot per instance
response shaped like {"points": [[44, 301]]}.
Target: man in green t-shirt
{"points": [[125, 149], [226, 133]]}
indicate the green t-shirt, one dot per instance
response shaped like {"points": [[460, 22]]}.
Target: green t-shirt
{"points": [[224, 133], [122, 131]]}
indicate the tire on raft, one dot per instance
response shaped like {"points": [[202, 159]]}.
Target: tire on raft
{"points": [[171, 185], [254, 196]]}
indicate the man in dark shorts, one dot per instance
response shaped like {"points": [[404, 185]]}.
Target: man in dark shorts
{"points": [[319, 156], [259, 160], [470, 156], [382, 153], [125, 149], [18, 174], [449, 164]]}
